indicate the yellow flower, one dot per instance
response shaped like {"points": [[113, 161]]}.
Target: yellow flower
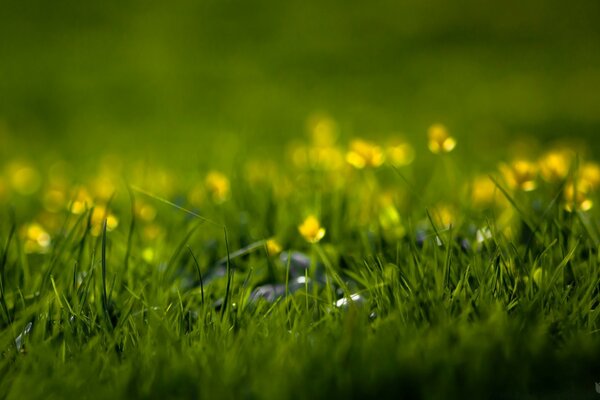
{"points": [[576, 197], [520, 174], [400, 154], [554, 166], [218, 186], [273, 247], [37, 240], [483, 192], [444, 215], [97, 220], [590, 174], [440, 140], [364, 154], [81, 202], [311, 229]]}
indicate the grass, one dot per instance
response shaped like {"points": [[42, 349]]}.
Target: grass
{"points": [[427, 295], [167, 230]]}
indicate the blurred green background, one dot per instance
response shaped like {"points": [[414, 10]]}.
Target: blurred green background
{"points": [[198, 80]]}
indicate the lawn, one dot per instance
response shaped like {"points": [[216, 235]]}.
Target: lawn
{"points": [[276, 200]]}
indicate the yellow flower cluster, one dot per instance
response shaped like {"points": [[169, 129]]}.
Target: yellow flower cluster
{"points": [[364, 154], [377, 202], [440, 140], [520, 174], [37, 239]]}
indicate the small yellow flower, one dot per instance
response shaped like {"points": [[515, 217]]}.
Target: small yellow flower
{"points": [[444, 215], [218, 186], [590, 175], [81, 202], [364, 154], [440, 140], [554, 166], [576, 197], [37, 240], [400, 154], [520, 174], [273, 247], [483, 192], [97, 220], [311, 229]]}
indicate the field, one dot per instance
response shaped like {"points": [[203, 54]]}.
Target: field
{"points": [[270, 200]]}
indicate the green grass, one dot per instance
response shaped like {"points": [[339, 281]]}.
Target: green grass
{"points": [[439, 314], [134, 103]]}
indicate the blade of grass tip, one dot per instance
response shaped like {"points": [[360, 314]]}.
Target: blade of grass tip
{"points": [[3, 271], [180, 247], [75, 265], [84, 288], [244, 287], [564, 263], [543, 218], [229, 276], [287, 291], [61, 247], [86, 232], [103, 263], [512, 201], [112, 287], [56, 294], [170, 203], [11, 233], [243, 251], [411, 188], [199, 273], [586, 227], [106, 211], [336, 277], [448, 261], [131, 229], [435, 230], [60, 241]]}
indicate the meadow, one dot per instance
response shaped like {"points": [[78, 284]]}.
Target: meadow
{"points": [[295, 200]]}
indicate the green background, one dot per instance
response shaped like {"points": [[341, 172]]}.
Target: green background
{"points": [[210, 79]]}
